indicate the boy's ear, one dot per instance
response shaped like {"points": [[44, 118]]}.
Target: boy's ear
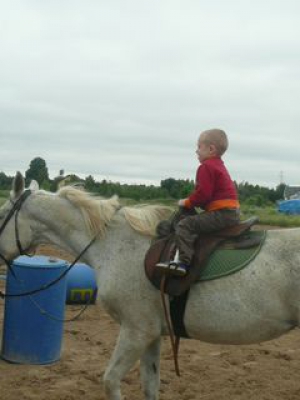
{"points": [[213, 149], [18, 186]]}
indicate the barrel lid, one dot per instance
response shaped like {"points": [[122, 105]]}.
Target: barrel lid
{"points": [[39, 262]]}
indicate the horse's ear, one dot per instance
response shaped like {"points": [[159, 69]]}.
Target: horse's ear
{"points": [[17, 186], [34, 185]]}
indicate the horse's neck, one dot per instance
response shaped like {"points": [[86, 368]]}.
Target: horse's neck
{"points": [[61, 224], [57, 223], [122, 248]]}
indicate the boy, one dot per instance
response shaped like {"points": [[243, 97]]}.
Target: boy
{"points": [[214, 192]]}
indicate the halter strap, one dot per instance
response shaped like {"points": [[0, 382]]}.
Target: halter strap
{"points": [[25, 196], [14, 210], [16, 207]]}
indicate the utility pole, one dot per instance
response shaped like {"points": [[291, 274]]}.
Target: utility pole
{"points": [[281, 178]]}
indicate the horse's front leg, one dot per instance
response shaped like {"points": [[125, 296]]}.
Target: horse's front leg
{"points": [[150, 370], [131, 345]]}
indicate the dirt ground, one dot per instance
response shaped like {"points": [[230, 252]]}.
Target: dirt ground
{"points": [[268, 371]]}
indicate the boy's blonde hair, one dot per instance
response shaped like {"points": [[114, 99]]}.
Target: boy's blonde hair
{"points": [[217, 137]]}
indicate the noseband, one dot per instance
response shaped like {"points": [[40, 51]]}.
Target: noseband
{"points": [[15, 212]]}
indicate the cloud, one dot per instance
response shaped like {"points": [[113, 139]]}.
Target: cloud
{"points": [[122, 90]]}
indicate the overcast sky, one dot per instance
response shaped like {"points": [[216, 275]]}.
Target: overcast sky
{"points": [[121, 89]]}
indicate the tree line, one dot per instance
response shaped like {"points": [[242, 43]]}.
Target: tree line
{"points": [[169, 188]]}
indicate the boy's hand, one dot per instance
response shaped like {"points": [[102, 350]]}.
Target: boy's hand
{"points": [[181, 202]]}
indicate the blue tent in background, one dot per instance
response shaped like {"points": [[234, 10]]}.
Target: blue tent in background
{"points": [[290, 207]]}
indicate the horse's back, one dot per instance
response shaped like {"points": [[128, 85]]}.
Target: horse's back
{"points": [[248, 306]]}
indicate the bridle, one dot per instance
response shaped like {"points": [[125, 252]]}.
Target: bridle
{"points": [[14, 211]]}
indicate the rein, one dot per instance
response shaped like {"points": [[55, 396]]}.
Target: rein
{"points": [[15, 211], [48, 285], [174, 340]]}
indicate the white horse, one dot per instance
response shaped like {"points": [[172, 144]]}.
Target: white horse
{"points": [[258, 303]]}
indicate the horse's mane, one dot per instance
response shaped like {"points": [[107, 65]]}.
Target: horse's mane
{"points": [[144, 218], [98, 212]]}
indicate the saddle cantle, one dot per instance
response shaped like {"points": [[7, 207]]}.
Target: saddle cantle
{"points": [[163, 250]]}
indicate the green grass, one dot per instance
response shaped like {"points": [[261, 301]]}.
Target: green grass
{"points": [[270, 216]]}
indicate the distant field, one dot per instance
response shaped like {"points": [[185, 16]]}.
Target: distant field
{"points": [[270, 216], [267, 215]]}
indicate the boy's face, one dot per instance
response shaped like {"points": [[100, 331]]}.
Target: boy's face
{"points": [[204, 150]]}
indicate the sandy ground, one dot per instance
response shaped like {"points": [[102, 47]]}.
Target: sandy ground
{"points": [[268, 371]]}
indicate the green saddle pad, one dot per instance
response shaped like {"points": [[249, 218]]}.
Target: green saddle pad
{"points": [[225, 262]]}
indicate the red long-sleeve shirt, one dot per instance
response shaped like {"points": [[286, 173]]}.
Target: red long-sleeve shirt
{"points": [[213, 183]]}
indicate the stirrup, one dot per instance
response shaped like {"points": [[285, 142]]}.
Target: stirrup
{"points": [[173, 268]]}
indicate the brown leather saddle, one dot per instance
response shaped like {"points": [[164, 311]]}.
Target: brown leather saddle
{"points": [[164, 250]]}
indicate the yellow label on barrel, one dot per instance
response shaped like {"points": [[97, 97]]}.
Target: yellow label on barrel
{"points": [[81, 294]]}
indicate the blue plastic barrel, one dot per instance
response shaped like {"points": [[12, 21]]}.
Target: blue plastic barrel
{"points": [[33, 324], [81, 285]]}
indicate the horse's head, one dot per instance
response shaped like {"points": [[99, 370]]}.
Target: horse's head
{"points": [[15, 230]]}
